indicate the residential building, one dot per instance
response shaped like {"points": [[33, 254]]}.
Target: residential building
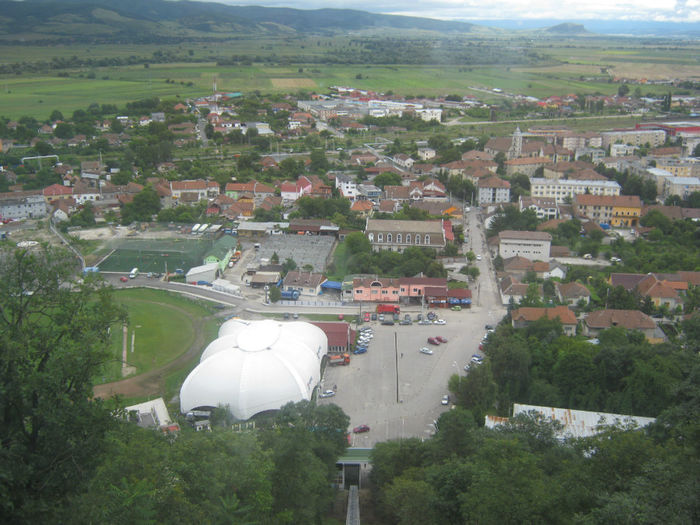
{"points": [[561, 190], [493, 190], [193, 190], [620, 211], [404, 161], [544, 207], [308, 283], [572, 293], [346, 185], [381, 290], [426, 153], [681, 186], [531, 245], [23, 205], [57, 192], [600, 320], [524, 316], [399, 235], [369, 192], [525, 165], [364, 208], [636, 137], [512, 291]]}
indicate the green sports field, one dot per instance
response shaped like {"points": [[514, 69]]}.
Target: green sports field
{"points": [[162, 326], [156, 256]]}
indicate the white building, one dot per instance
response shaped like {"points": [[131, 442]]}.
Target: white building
{"points": [[256, 366], [429, 114], [545, 207], [426, 153], [560, 189], [346, 186], [493, 190], [575, 423], [22, 205], [531, 245]]}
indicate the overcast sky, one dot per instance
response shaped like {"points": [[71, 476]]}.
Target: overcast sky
{"points": [[645, 10]]}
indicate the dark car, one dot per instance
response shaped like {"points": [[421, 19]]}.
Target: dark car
{"points": [[441, 339], [360, 350], [360, 429], [488, 327], [374, 317], [433, 341], [404, 322], [388, 322]]}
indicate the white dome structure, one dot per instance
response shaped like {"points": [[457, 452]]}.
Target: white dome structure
{"points": [[255, 366]]}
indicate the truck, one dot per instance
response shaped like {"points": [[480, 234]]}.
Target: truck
{"points": [[340, 359], [388, 309], [290, 295]]}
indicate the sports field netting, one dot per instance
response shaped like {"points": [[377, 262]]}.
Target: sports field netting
{"points": [[154, 255]]}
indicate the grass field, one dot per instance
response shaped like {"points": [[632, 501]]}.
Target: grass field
{"points": [[163, 328]]}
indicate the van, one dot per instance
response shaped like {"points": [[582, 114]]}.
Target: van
{"points": [[587, 256], [134, 272]]}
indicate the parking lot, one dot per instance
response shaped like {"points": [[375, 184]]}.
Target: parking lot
{"points": [[394, 388]]}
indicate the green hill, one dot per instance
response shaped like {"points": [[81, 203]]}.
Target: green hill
{"points": [[140, 21]]}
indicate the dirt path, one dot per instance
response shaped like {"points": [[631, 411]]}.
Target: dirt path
{"points": [[153, 382]]}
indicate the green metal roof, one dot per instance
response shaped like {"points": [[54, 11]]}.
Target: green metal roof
{"points": [[355, 455], [221, 247]]}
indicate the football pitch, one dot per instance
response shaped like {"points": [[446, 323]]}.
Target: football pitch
{"points": [[158, 256]]}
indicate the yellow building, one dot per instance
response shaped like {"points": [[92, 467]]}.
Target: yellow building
{"points": [[619, 211]]}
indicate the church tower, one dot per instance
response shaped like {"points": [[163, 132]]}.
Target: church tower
{"points": [[516, 146]]}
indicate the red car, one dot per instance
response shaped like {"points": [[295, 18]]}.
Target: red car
{"points": [[366, 317], [361, 429], [123, 279], [433, 341], [441, 339]]}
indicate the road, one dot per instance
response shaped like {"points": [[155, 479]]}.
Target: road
{"points": [[459, 122], [394, 388]]}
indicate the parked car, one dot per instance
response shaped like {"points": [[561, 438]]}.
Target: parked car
{"points": [[404, 322], [466, 367], [488, 327], [478, 257], [407, 317], [326, 393], [587, 256], [124, 279], [388, 322], [424, 321], [456, 308], [381, 317], [615, 259], [341, 317], [432, 316], [360, 350], [426, 350], [295, 316], [433, 341], [445, 400], [374, 317], [366, 317], [440, 321], [477, 359], [360, 429], [441, 338]]}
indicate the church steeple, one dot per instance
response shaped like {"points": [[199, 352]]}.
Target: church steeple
{"points": [[516, 146]]}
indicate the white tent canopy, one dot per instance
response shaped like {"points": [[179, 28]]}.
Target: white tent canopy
{"points": [[256, 366]]}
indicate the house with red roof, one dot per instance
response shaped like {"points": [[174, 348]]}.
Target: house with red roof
{"points": [[57, 192]]}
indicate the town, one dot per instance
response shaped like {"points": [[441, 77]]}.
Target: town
{"points": [[349, 298]]}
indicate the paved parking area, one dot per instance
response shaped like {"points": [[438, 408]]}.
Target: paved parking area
{"points": [[303, 249], [394, 388]]}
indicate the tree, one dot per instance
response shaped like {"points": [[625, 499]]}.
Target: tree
{"points": [[275, 259], [623, 90], [387, 179], [54, 341], [55, 115], [275, 294], [146, 203]]}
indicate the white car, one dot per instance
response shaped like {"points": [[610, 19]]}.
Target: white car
{"points": [[478, 257], [440, 321], [327, 393], [615, 259], [425, 350], [445, 400]]}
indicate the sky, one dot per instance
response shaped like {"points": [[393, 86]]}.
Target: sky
{"points": [[642, 10]]}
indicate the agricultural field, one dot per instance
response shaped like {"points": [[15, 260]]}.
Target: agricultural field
{"points": [[161, 325], [566, 66]]}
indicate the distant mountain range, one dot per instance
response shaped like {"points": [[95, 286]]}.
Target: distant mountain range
{"points": [[140, 21]]}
